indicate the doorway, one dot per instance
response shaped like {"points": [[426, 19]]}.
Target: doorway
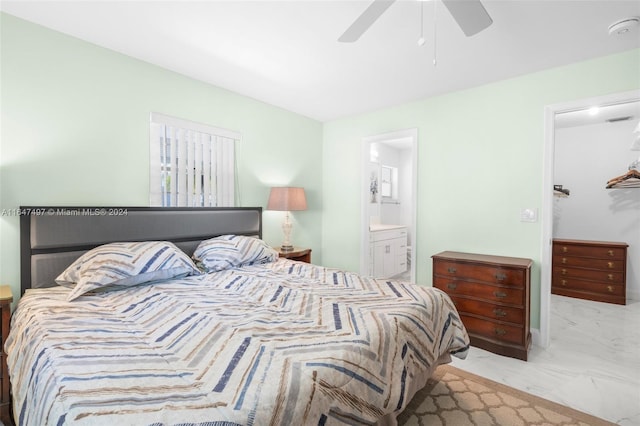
{"points": [[398, 205], [552, 113]]}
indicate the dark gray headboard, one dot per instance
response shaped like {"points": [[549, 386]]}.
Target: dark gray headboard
{"points": [[51, 238]]}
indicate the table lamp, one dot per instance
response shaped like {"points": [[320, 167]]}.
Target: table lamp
{"points": [[287, 199]]}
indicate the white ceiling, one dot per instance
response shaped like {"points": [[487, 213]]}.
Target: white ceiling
{"points": [[286, 53], [599, 114]]}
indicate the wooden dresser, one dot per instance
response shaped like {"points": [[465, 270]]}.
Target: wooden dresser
{"points": [[491, 294], [5, 316], [592, 270]]}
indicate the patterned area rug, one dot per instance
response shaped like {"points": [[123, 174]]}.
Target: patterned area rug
{"points": [[455, 397]]}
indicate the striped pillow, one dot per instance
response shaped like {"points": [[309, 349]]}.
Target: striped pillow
{"points": [[125, 265], [229, 251]]}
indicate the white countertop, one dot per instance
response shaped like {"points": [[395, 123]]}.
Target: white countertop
{"points": [[384, 227]]}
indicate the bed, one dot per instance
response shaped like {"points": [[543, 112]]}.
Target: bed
{"points": [[253, 340]]}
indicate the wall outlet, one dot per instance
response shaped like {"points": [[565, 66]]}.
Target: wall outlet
{"points": [[529, 215]]}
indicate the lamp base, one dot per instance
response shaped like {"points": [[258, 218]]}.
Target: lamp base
{"points": [[286, 228]]}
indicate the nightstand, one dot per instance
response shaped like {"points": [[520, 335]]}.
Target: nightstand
{"points": [[5, 317], [298, 253]]}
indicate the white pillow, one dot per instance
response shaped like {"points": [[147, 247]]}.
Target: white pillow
{"points": [[229, 251], [125, 265]]}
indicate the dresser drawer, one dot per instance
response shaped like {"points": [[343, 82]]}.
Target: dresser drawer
{"points": [[586, 262], [560, 272], [490, 293], [595, 251], [488, 310], [493, 330], [589, 286], [488, 274]]}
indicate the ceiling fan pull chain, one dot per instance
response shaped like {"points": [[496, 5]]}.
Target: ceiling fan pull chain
{"points": [[435, 61], [421, 39]]}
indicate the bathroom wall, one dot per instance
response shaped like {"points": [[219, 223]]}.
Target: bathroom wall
{"points": [[396, 211]]}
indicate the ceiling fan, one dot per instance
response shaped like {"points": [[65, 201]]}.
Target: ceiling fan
{"points": [[470, 15]]}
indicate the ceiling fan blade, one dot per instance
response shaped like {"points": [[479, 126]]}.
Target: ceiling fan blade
{"points": [[470, 15], [364, 21]]}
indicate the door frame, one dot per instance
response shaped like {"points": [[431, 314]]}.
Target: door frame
{"points": [[365, 155], [550, 112]]}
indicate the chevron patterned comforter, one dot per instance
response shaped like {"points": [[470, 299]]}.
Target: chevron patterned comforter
{"points": [[284, 343]]}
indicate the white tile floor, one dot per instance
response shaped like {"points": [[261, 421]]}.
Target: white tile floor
{"points": [[592, 363]]}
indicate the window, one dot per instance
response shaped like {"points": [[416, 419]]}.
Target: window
{"points": [[389, 181], [191, 164]]}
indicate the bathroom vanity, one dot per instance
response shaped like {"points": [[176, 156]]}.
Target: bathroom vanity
{"points": [[387, 250]]}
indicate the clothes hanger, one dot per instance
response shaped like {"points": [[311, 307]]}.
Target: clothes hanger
{"points": [[631, 174], [560, 191]]}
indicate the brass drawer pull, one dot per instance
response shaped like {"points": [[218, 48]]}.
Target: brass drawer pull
{"points": [[610, 265], [610, 253], [501, 276], [564, 272], [499, 313], [500, 294], [565, 249], [563, 282], [451, 270], [500, 331], [452, 286], [610, 288], [610, 276], [564, 260]]}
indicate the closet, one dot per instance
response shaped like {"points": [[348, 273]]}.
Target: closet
{"points": [[596, 211]]}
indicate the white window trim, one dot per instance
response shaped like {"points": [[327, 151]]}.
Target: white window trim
{"points": [[192, 125]]}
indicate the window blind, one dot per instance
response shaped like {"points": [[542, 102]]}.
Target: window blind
{"points": [[191, 164]]}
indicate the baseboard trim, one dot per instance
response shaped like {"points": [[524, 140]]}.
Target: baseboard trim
{"points": [[535, 337]]}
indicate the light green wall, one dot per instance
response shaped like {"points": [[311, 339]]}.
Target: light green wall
{"points": [[480, 160], [75, 131]]}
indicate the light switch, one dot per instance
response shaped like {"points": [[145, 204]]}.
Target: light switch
{"points": [[529, 215]]}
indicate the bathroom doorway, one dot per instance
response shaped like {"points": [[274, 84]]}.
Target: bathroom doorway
{"points": [[389, 203]]}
